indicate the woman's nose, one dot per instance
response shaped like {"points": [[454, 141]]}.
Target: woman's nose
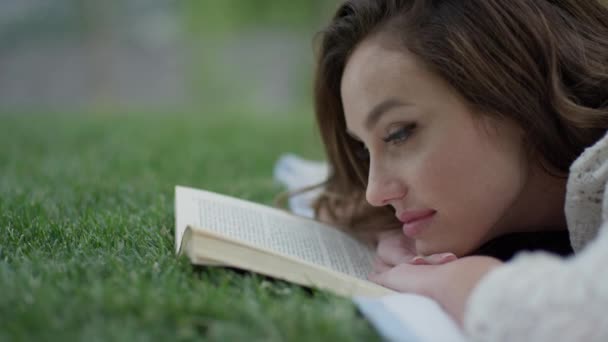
{"points": [[382, 188]]}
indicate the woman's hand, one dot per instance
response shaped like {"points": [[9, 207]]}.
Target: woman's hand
{"points": [[394, 248], [450, 284]]}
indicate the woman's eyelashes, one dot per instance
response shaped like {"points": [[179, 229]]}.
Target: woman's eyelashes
{"points": [[400, 134]]}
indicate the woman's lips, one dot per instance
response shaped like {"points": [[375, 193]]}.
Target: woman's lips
{"points": [[415, 222]]}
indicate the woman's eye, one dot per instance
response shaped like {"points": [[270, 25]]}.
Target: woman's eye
{"points": [[400, 135]]}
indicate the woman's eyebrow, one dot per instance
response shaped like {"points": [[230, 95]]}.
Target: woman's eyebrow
{"points": [[380, 109], [376, 114]]}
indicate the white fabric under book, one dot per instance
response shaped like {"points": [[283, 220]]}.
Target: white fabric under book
{"points": [[409, 318], [296, 173]]}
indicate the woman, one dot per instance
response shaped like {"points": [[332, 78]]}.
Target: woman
{"points": [[450, 125]]}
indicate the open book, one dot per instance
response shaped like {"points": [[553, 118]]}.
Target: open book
{"points": [[218, 230]]}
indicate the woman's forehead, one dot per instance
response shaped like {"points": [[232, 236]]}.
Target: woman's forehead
{"points": [[374, 56]]}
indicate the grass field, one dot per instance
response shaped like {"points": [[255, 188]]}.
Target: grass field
{"points": [[86, 222]]}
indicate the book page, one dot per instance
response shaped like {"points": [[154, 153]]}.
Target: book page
{"points": [[271, 229]]}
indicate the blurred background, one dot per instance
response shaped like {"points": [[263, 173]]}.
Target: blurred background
{"points": [[158, 55]]}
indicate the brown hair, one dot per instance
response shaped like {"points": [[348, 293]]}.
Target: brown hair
{"points": [[541, 63]]}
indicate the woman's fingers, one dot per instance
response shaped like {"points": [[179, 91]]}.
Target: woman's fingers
{"points": [[393, 255], [392, 248], [406, 278], [380, 266], [434, 259]]}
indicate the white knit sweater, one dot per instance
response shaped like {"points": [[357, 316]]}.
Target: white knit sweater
{"points": [[542, 297]]}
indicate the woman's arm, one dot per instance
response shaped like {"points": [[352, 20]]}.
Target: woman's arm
{"points": [[541, 297]]}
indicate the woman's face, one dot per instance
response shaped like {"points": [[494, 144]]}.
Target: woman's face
{"points": [[451, 175]]}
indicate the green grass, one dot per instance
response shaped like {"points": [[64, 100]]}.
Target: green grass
{"points": [[86, 230]]}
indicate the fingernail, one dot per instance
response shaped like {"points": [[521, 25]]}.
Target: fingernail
{"points": [[446, 256], [418, 260]]}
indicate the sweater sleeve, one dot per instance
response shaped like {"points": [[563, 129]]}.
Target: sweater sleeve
{"points": [[541, 297]]}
